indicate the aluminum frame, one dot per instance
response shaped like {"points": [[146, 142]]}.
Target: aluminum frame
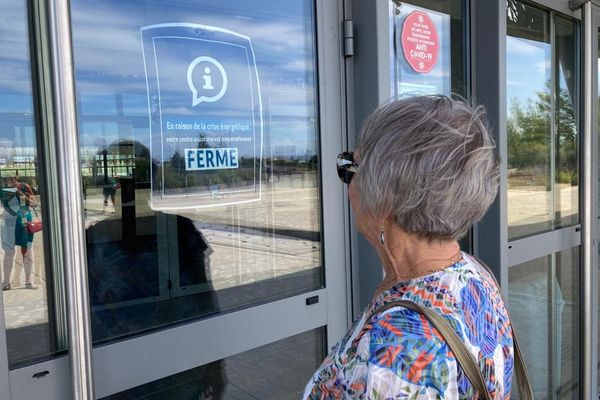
{"points": [[4, 373], [71, 205], [589, 202], [540, 245], [332, 101], [371, 62], [134, 362], [490, 235]]}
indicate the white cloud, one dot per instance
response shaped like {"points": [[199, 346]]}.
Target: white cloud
{"points": [[542, 67], [518, 47]]}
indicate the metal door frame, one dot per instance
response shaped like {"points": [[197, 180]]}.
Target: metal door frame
{"points": [[589, 203]]}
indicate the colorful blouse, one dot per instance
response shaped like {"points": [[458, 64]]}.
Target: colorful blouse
{"points": [[397, 354]]}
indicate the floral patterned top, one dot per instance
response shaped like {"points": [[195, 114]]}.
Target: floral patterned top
{"points": [[397, 354]]}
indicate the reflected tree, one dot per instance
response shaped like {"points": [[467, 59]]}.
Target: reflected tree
{"points": [[514, 9], [529, 138]]}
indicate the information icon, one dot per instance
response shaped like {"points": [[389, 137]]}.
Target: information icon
{"points": [[206, 85]]}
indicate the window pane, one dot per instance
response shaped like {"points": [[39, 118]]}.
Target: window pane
{"points": [[26, 276], [528, 55], [199, 157], [544, 304], [542, 89], [265, 373]]}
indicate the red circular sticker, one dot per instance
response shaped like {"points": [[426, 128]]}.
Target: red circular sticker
{"points": [[420, 42]]}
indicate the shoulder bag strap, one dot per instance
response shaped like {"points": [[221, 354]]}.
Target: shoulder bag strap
{"points": [[464, 358], [525, 389]]}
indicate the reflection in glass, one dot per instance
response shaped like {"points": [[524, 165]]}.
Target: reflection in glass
{"points": [[200, 157], [566, 175], [29, 316], [266, 373], [529, 120], [544, 304], [542, 125]]}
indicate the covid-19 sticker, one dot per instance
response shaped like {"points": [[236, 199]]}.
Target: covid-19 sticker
{"points": [[420, 42]]}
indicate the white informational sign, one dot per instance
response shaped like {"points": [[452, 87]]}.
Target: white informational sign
{"points": [[419, 50], [206, 129]]}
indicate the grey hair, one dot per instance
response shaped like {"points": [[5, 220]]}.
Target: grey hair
{"points": [[430, 162]]}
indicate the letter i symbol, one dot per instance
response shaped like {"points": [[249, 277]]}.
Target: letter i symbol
{"points": [[207, 79]]}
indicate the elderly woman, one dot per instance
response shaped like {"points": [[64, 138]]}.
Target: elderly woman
{"points": [[422, 173]]}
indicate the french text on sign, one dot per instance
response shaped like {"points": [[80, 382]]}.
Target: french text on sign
{"points": [[420, 41], [207, 158]]}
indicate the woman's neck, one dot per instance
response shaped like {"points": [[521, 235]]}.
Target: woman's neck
{"points": [[405, 256]]}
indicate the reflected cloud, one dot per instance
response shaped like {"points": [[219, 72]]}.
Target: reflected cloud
{"points": [[542, 67], [519, 47], [111, 80]]}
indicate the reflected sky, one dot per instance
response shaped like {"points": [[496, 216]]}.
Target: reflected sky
{"points": [[14, 59], [527, 69], [17, 135], [109, 61]]}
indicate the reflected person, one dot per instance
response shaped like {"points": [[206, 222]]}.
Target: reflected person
{"points": [[16, 202], [423, 171], [125, 265], [109, 191]]}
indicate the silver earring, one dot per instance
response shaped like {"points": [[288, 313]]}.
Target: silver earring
{"points": [[382, 235]]}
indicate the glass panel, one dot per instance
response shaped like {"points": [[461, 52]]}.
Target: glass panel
{"points": [[199, 157], [26, 276], [422, 57], [566, 191], [528, 53], [543, 163], [265, 373], [544, 304]]}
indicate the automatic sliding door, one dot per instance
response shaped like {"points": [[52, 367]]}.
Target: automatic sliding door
{"points": [[543, 135], [28, 287], [200, 158], [32, 285], [201, 165]]}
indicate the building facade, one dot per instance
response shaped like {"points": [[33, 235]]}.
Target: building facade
{"points": [[172, 224]]}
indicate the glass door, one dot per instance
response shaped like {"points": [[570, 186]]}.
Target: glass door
{"points": [[543, 193], [32, 310], [215, 267], [200, 159]]}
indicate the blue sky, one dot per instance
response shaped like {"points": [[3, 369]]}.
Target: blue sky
{"points": [[527, 69]]}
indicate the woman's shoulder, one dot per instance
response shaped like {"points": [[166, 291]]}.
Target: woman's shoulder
{"points": [[454, 288], [466, 293], [408, 357], [478, 292], [467, 296]]}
